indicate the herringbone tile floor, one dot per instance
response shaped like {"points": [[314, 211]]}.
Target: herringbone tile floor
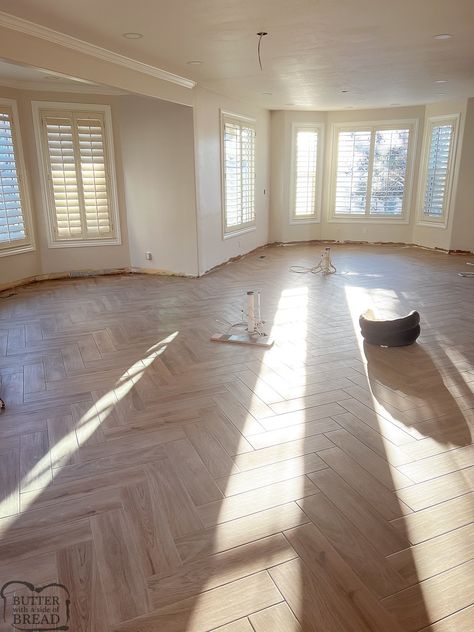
{"points": [[177, 484]]}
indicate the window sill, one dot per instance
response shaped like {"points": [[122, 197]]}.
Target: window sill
{"points": [[432, 224], [310, 220], [16, 250], [237, 233], [365, 219], [85, 243]]}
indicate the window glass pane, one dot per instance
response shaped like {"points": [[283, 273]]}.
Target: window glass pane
{"points": [[437, 170], [12, 228], [389, 172], [353, 154], [305, 172]]}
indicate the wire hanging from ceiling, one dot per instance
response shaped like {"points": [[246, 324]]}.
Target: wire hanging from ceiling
{"points": [[261, 35]]}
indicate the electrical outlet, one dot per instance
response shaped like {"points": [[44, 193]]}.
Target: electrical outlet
{"points": [[148, 256]]}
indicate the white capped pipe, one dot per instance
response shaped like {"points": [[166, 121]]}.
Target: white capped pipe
{"points": [[251, 312]]}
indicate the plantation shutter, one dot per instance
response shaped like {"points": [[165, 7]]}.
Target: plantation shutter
{"points": [[305, 183], [12, 224], [353, 155], [78, 175], [389, 171], [439, 156], [239, 174]]}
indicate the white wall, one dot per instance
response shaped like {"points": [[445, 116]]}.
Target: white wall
{"points": [[45, 260], [438, 236], [462, 225], [281, 131], [158, 158], [213, 248], [281, 229]]}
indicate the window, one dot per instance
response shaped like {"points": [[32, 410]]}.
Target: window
{"points": [[14, 203], [306, 173], [437, 168], [372, 171], [76, 153], [238, 173]]}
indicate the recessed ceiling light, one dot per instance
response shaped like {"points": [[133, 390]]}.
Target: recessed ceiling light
{"points": [[441, 81], [442, 36], [132, 35], [441, 94], [267, 94], [194, 62]]}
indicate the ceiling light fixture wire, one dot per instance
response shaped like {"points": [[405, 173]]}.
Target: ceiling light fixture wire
{"points": [[260, 36]]}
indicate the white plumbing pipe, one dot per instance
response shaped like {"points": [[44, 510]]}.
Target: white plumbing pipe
{"points": [[251, 312]]}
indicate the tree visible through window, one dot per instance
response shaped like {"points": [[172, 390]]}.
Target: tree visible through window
{"points": [[371, 172]]}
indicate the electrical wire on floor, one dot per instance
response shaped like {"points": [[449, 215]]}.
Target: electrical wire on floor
{"points": [[324, 266], [256, 319]]}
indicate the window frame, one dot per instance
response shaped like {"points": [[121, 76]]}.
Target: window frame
{"points": [[27, 244], [433, 121], [316, 217], [228, 232], [373, 126], [52, 107]]}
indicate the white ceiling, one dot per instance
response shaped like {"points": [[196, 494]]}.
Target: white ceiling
{"points": [[381, 52], [16, 76]]}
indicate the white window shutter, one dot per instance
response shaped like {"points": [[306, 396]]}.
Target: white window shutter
{"points": [[372, 177], [352, 172], [239, 174], [389, 171], [91, 141], [12, 222], [437, 172], [78, 170], [305, 173]]}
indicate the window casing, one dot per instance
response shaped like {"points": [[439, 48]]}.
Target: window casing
{"points": [[437, 170], [306, 173], [238, 173], [75, 150], [372, 171], [15, 223]]}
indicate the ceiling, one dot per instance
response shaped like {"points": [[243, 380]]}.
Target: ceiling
{"points": [[319, 54], [16, 76]]}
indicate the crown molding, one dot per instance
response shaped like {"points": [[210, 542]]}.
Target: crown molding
{"points": [[68, 41], [50, 86]]}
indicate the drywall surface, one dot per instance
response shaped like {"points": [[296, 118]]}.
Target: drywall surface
{"points": [[357, 230], [438, 236], [29, 50], [212, 246], [281, 229], [158, 163], [462, 236], [46, 260]]}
